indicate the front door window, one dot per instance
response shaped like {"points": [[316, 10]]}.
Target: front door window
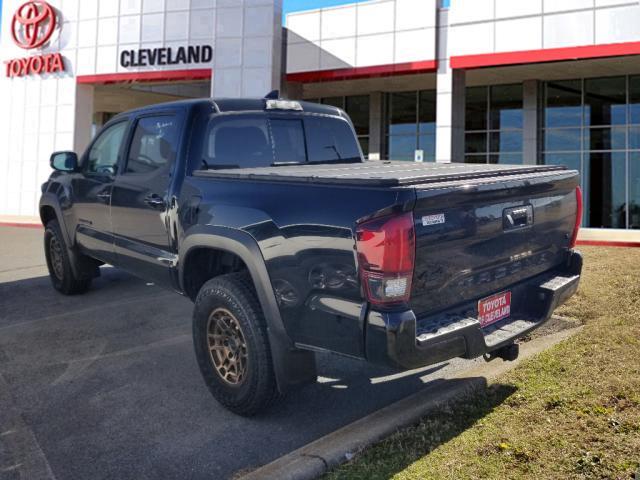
{"points": [[103, 155]]}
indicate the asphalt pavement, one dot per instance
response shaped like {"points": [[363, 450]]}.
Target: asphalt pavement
{"points": [[105, 385]]}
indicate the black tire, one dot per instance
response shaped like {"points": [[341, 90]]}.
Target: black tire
{"points": [[59, 263], [234, 294]]}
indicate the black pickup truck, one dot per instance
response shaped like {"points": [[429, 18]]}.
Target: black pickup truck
{"points": [[264, 213]]}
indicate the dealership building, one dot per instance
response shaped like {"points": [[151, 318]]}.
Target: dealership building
{"points": [[477, 81]]}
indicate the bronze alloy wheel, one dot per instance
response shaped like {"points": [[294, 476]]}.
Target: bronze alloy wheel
{"points": [[227, 346], [55, 256]]}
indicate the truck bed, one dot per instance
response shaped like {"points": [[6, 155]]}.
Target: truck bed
{"points": [[377, 173]]}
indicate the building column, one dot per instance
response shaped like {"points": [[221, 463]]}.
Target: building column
{"points": [[248, 48], [83, 118], [450, 109], [450, 100], [530, 102], [376, 125]]}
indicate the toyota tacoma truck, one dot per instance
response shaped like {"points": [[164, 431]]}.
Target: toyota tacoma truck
{"points": [[264, 213]]}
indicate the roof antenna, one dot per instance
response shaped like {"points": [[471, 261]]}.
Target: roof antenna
{"points": [[273, 95]]}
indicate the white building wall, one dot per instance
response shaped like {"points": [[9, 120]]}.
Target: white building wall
{"points": [[248, 47], [379, 32], [38, 118], [42, 114], [496, 26]]}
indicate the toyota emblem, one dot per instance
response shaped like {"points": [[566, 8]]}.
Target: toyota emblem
{"points": [[33, 24]]}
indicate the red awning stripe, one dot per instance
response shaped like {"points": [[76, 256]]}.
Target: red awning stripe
{"points": [[545, 55], [427, 66], [155, 76]]}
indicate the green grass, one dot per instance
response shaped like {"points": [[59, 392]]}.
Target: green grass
{"points": [[572, 411]]}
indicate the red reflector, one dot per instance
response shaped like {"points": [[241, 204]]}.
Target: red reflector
{"points": [[576, 228], [386, 256]]}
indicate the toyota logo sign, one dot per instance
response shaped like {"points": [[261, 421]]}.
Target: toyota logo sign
{"points": [[32, 27], [33, 24]]}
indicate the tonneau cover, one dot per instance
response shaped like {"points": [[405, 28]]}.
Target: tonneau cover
{"points": [[376, 173]]}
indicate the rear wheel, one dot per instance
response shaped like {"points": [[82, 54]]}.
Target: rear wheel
{"points": [[59, 264], [231, 344]]}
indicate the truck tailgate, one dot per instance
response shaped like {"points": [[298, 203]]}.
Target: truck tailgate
{"points": [[476, 238]]}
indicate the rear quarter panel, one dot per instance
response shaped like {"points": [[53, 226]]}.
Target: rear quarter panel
{"points": [[306, 236]]}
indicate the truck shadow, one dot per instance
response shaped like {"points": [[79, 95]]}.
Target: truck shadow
{"points": [[114, 370]]}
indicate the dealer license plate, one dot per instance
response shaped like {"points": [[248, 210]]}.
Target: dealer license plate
{"points": [[494, 308]]}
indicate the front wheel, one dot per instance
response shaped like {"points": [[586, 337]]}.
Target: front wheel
{"points": [[61, 272], [231, 344]]}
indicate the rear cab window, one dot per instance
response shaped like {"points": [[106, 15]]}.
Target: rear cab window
{"points": [[330, 141], [251, 140], [236, 141]]}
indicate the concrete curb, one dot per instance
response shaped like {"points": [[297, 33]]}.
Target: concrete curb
{"points": [[320, 456]]}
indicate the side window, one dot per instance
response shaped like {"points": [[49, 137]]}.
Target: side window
{"points": [[103, 155], [154, 145], [238, 142]]}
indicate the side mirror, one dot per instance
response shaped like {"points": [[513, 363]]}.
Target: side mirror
{"points": [[64, 161]]}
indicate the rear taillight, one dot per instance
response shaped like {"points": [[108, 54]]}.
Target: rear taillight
{"points": [[576, 228], [386, 255]]}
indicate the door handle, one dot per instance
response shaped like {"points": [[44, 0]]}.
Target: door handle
{"points": [[154, 201]]}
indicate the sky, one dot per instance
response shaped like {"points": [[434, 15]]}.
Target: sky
{"points": [[299, 5]]}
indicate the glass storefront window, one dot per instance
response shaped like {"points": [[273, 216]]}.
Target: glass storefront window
{"points": [[634, 100], [634, 138], [427, 112], [506, 107], [401, 147], [403, 113], [506, 141], [476, 105], [506, 158], [357, 107], [476, 143], [605, 138], [606, 203], [411, 125], [593, 126], [605, 101], [494, 123], [563, 104], [562, 140], [634, 190], [428, 144]]}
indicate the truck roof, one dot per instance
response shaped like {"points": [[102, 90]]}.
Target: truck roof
{"points": [[224, 105], [377, 173]]}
